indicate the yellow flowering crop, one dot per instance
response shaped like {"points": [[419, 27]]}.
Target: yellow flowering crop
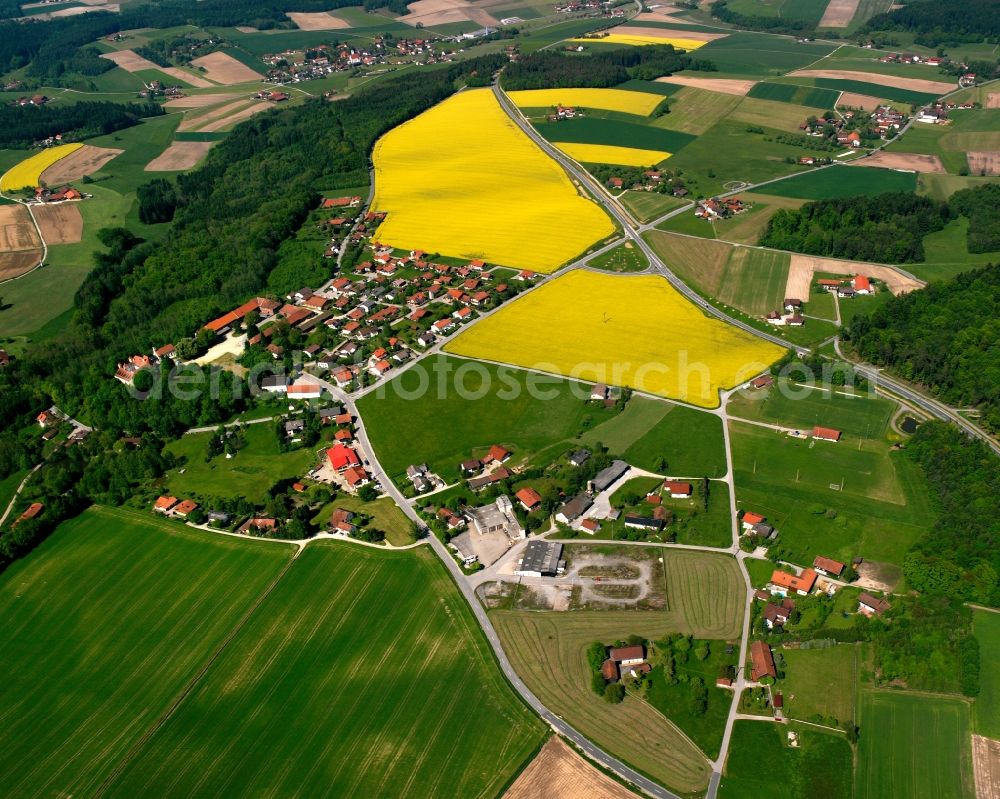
{"points": [[463, 180], [623, 100], [29, 171], [639, 40], [626, 331], [611, 154]]}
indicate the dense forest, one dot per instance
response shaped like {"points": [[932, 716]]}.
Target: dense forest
{"points": [[21, 126], [9, 8], [960, 556], [945, 336], [547, 69], [49, 47], [888, 228], [938, 22], [982, 206]]}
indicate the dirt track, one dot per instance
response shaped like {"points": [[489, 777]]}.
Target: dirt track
{"points": [[223, 68], [85, 161], [20, 247], [986, 765], [839, 13], [916, 84], [179, 155], [911, 161], [557, 772], [721, 85], [60, 224], [984, 162], [800, 274], [317, 21]]}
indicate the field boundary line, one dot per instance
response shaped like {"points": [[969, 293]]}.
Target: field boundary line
{"points": [[193, 683]]}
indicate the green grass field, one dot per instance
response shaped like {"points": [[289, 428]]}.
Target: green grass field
{"points": [[8, 486], [794, 405], [648, 205], [837, 182], [696, 110], [759, 570], [754, 280], [810, 11], [884, 90], [761, 763], [986, 626], [195, 664], [253, 470], [357, 676], [799, 95], [535, 428], [626, 258], [594, 130], [704, 598], [760, 54], [821, 684], [831, 499], [913, 745], [103, 626], [141, 143]]}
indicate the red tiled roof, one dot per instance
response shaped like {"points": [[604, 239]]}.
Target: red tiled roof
{"points": [[834, 567], [752, 518], [826, 433], [803, 582], [342, 457], [528, 497]]}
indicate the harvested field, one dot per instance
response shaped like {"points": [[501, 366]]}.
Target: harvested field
{"points": [[557, 772], [914, 84], [722, 85], [179, 156], [441, 12], [839, 13], [198, 101], [129, 60], [85, 161], [663, 14], [984, 162], [800, 274], [187, 77], [235, 118], [195, 121], [60, 224], [20, 247], [864, 101], [317, 21], [985, 764], [993, 100], [911, 161], [223, 68], [667, 33]]}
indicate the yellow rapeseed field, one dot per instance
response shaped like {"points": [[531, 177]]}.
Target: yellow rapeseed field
{"points": [[462, 180], [28, 172], [611, 154], [623, 100], [633, 331], [638, 40]]}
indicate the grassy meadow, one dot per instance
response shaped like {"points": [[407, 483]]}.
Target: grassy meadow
{"points": [[913, 745], [986, 626], [836, 182], [821, 684]]}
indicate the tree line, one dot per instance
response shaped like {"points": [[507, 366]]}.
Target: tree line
{"points": [[945, 336], [776, 24], [888, 228], [548, 69], [22, 126]]}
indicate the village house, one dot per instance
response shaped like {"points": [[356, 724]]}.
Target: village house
{"points": [[749, 519], [164, 504], [825, 433], [574, 509], [342, 457], [579, 457], [677, 489], [184, 508], [643, 522], [764, 381], [761, 662], [777, 615], [872, 606], [784, 583], [529, 499], [828, 567]]}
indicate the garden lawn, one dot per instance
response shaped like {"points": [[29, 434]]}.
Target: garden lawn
{"points": [[762, 764], [454, 179], [385, 516], [821, 685], [355, 677], [986, 626], [634, 331], [250, 473], [837, 182], [104, 624], [913, 745], [832, 499]]}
